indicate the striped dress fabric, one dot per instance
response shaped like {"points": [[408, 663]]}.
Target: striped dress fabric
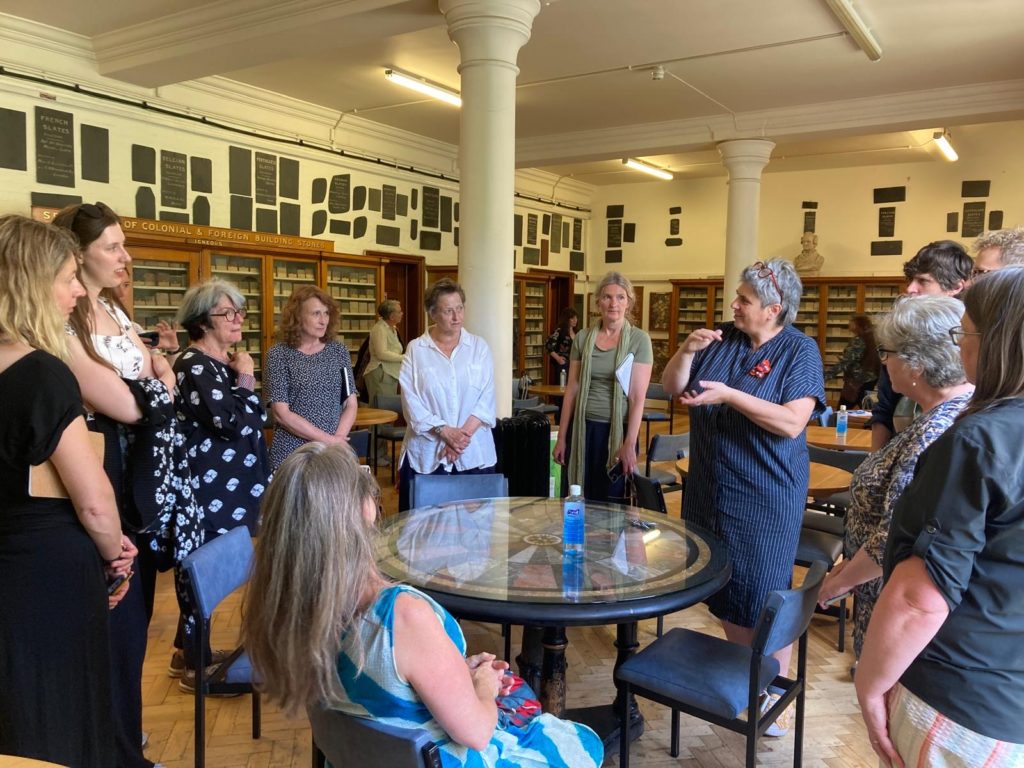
{"points": [[745, 484], [378, 692]]}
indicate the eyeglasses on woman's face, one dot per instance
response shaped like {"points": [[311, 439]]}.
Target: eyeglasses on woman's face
{"points": [[957, 334], [230, 314], [883, 353], [763, 271]]}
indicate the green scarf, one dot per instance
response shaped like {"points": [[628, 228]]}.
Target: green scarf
{"points": [[577, 461]]}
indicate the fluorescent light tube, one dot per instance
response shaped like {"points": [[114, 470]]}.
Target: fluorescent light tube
{"points": [[855, 25], [638, 165], [942, 141], [420, 85]]}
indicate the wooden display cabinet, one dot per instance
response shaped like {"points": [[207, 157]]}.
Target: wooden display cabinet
{"points": [[355, 283]]}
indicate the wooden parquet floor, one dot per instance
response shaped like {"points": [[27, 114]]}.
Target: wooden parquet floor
{"points": [[834, 732]]}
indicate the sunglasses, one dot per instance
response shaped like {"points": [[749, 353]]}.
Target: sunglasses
{"points": [[763, 271]]}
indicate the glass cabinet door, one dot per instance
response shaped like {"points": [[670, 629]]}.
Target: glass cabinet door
{"points": [[720, 308], [354, 287], [879, 297], [246, 273], [159, 281], [842, 306], [809, 311], [535, 301], [692, 303], [285, 276]]}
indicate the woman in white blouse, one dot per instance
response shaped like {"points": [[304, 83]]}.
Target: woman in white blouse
{"points": [[447, 380]]}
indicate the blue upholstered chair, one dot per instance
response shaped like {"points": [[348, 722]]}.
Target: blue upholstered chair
{"points": [[666, 448], [348, 741], [359, 442], [657, 392], [426, 490], [211, 573], [716, 681]]}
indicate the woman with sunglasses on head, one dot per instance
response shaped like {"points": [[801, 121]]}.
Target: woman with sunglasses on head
{"points": [[924, 365], [750, 385], [56, 552], [222, 419], [311, 389], [117, 376], [941, 678]]}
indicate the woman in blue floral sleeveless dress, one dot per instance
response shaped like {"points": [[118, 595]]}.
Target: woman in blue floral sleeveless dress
{"points": [[324, 628]]}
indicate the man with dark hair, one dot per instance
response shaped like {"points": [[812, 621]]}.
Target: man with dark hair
{"points": [[942, 268]]}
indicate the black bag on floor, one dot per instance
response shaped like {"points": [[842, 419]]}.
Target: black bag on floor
{"points": [[523, 444]]}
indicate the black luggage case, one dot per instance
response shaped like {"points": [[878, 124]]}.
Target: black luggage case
{"points": [[523, 444]]}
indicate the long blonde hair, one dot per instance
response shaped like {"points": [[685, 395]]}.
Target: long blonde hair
{"points": [[31, 255], [314, 566]]}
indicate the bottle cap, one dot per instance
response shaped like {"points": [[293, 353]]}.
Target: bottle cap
{"points": [[842, 407], [575, 490]]}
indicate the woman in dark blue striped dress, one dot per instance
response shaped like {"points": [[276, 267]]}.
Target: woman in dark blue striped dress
{"points": [[750, 385]]}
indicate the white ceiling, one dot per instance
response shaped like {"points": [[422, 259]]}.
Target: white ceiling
{"points": [[785, 70]]}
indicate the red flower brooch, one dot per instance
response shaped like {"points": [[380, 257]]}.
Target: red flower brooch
{"points": [[762, 369]]}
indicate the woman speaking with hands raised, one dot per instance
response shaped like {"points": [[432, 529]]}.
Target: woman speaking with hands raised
{"points": [[750, 386]]}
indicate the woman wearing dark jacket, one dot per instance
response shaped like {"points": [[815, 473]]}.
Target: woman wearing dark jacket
{"points": [[559, 343]]}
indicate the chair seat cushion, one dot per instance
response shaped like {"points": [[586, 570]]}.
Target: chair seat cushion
{"points": [[240, 672], [655, 416], [818, 545], [663, 476], [391, 433], [820, 521], [697, 670]]}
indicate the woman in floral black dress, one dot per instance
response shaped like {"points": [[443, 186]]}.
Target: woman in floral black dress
{"points": [[559, 343]]}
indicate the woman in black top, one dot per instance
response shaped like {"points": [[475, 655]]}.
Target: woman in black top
{"points": [[559, 343], [941, 678]]}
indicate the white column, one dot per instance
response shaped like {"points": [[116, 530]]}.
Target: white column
{"points": [[744, 159], [489, 34]]}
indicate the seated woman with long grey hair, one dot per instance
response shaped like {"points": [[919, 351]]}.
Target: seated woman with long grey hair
{"points": [[324, 627], [924, 365]]}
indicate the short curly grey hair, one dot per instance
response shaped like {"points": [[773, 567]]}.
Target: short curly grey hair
{"points": [[1010, 243], [387, 308], [917, 329], [194, 312], [789, 285]]}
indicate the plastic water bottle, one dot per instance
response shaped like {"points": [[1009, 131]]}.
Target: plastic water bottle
{"points": [[842, 425], [561, 378], [572, 578], [572, 523]]}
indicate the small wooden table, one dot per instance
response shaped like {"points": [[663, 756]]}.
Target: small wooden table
{"points": [[371, 417], [825, 437], [823, 482], [548, 390]]}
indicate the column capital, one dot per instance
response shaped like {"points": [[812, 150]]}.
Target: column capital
{"points": [[745, 158], [489, 30]]}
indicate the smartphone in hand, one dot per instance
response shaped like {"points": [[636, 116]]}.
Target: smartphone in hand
{"points": [[117, 584], [150, 338]]}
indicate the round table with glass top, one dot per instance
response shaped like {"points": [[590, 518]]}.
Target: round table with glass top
{"points": [[502, 561]]}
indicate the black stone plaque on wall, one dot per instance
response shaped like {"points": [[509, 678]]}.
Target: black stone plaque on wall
{"points": [[359, 198], [319, 191], [201, 211], [414, 203], [13, 138], [673, 242], [975, 188], [517, 229], [546, 224], [339, 227], [629, 233], [240, 173], [145, 203], [614, 233], [432, 209], [388, 235], [402, 205], [531, 255], [673, 226], [201, 169], [995, 220], [577, 234], [455, 237], [375, 199], [266, 181], [289, 178], [811, 219], [615, 211], [953, 221], [178, 216], [290, 218], [266, 220], [446, 214], [886, 222], [613, 257], [675, 210], [338, 198], [414, 230], [429, 241], [531, 229], [890, 195], [53, 200], [974, 220], [809, 205], [359, 227], [389, 202], [565, 233], [143, 164], [456, 211], [319, 221], [95, 153], [556, 233], [241, 212], [576, 261], [55, 147], [886, 247], [173, 179]]}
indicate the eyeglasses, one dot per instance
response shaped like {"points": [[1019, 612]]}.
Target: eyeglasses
{"points": [[979, 271], [883, 353], [957, 334], [230, 314], [764, 271]]}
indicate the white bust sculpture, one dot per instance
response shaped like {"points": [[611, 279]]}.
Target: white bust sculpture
{"points": [[809, 261]]}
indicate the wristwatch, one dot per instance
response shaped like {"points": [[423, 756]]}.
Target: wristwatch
{"points": [[436, 430]]}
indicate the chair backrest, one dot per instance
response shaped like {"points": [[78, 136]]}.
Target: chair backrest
{"points": [[530, 402], [218, 568], [669, 447], [848, 460], [515, 388], [389, 403], [359, 441], [346, 740], [426, 490], [657, 392], [787, 613], [825, 418], [649, 494]]}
